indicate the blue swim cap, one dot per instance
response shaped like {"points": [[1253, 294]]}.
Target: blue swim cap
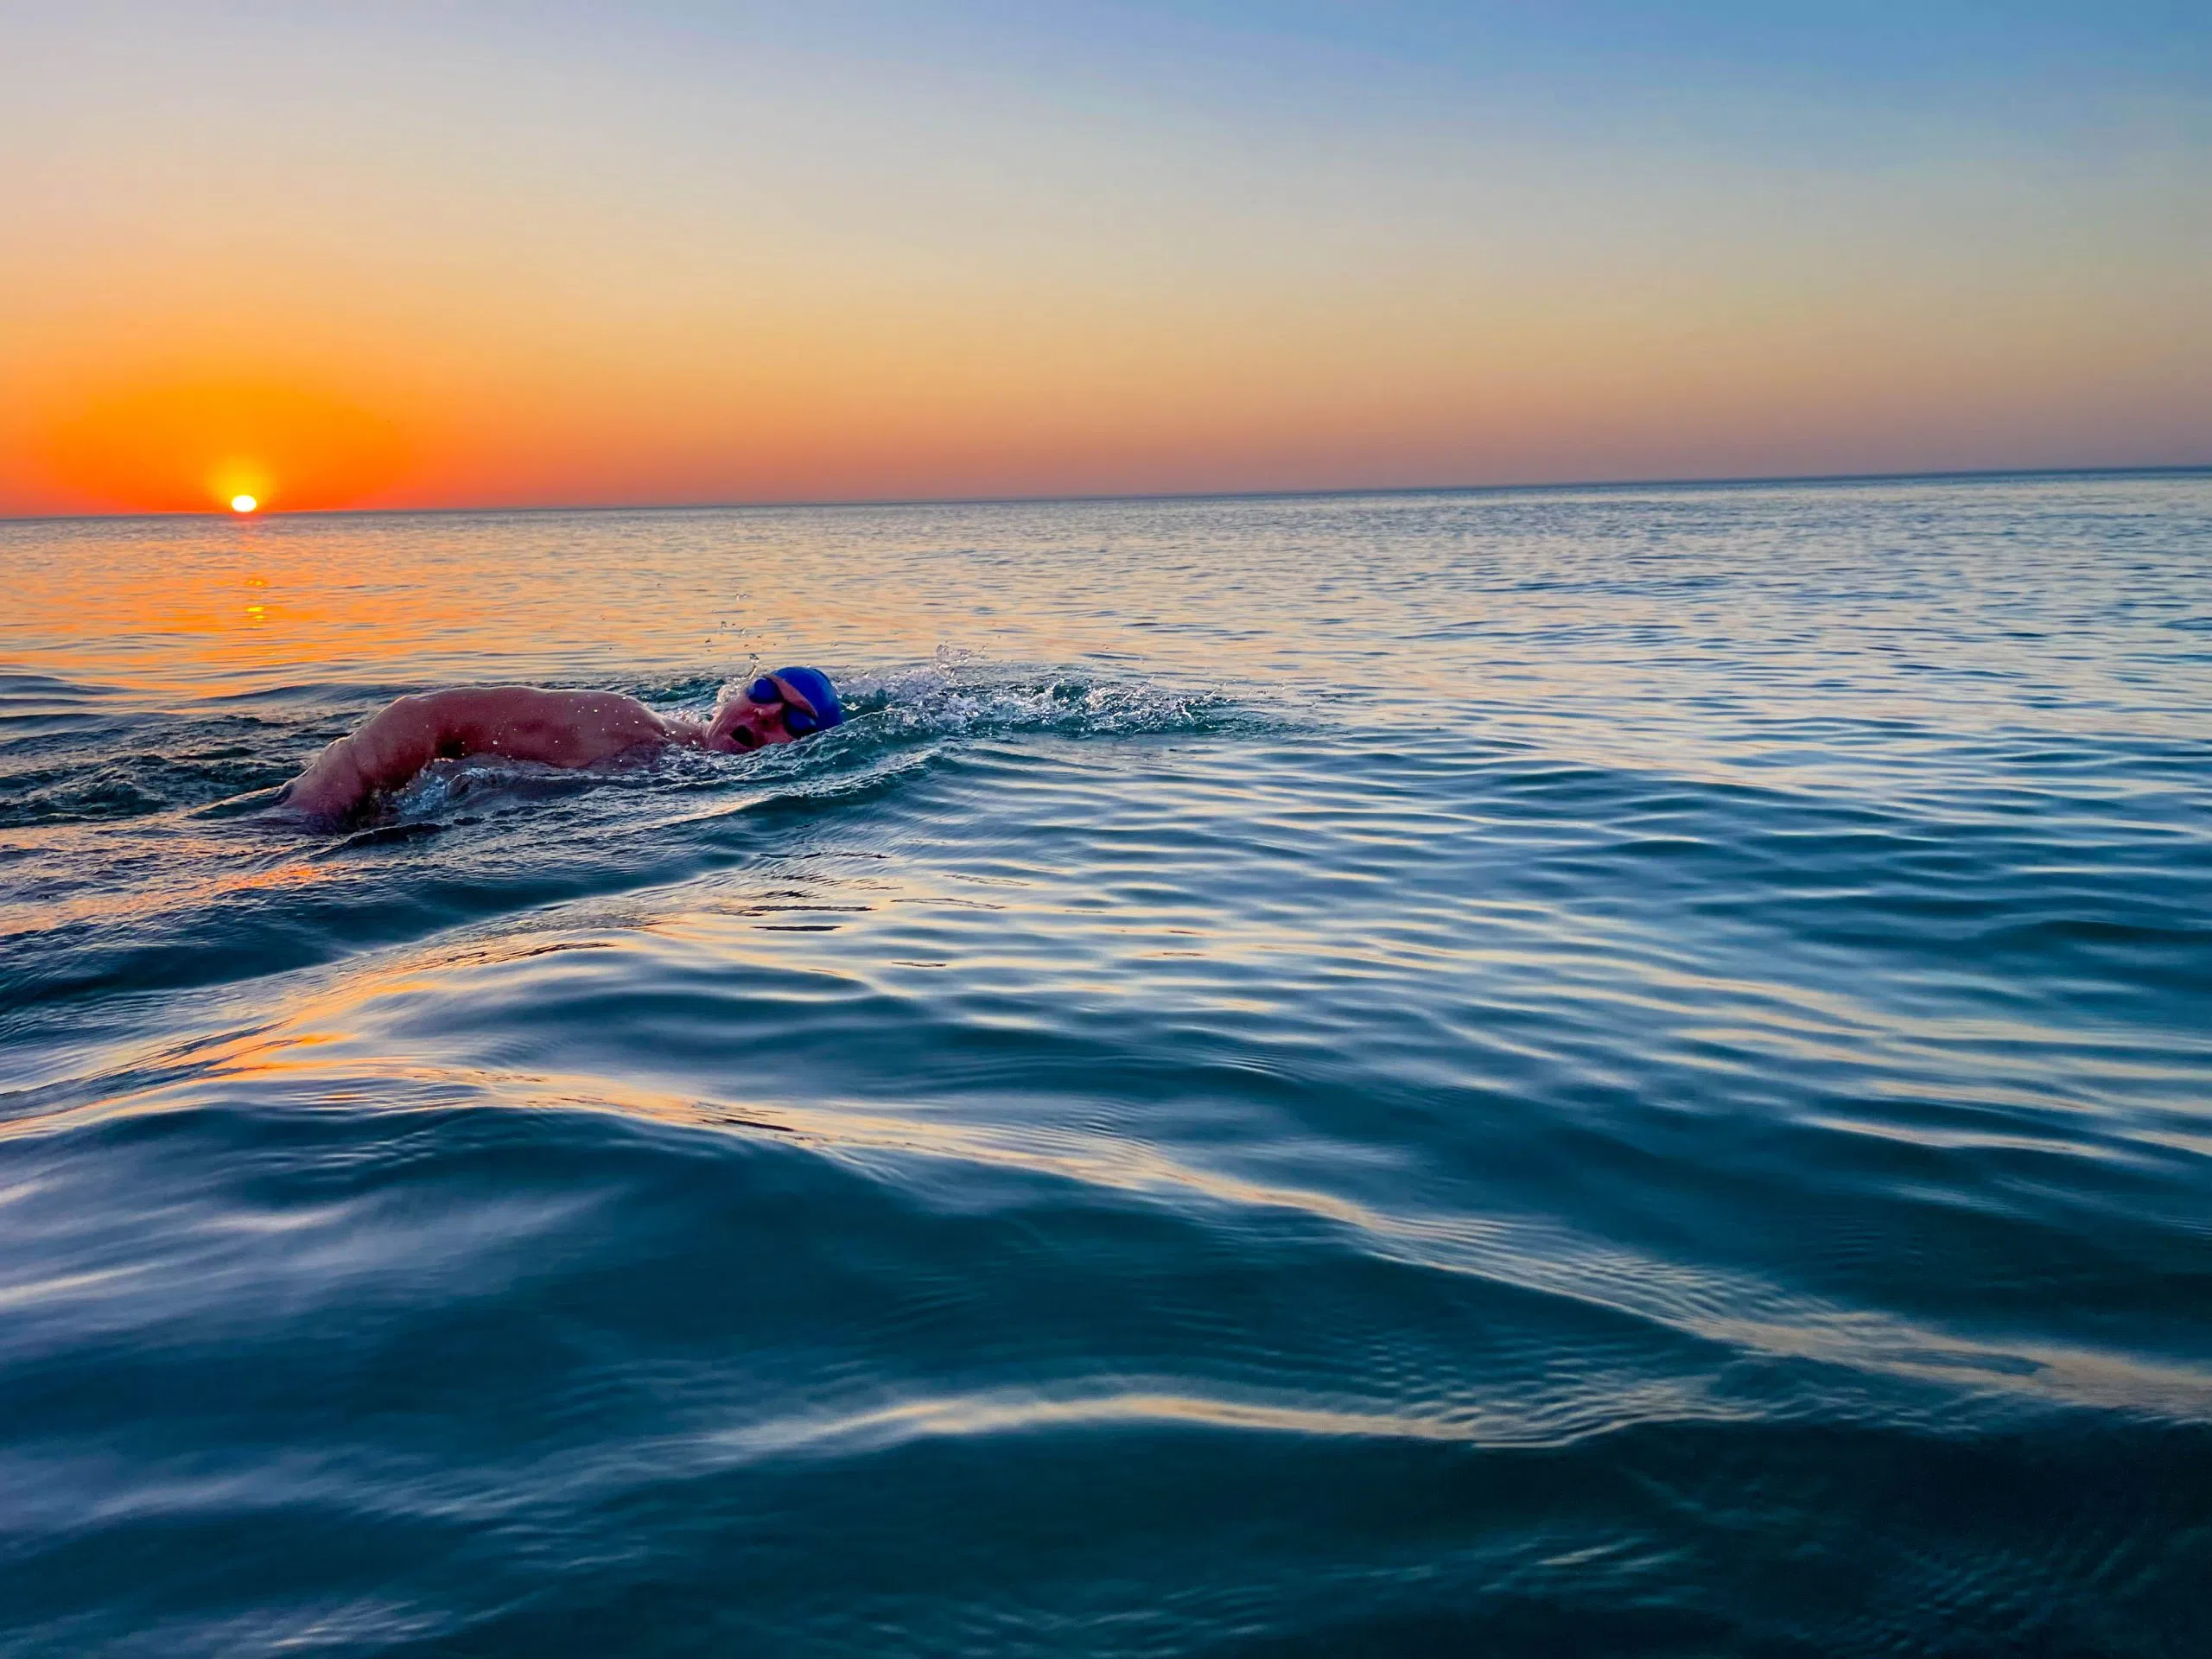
{"points": [[814, 685]]}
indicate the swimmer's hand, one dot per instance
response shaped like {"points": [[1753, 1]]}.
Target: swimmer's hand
{"points": [[554, 729]]}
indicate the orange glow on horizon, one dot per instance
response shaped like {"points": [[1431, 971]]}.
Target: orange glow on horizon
{"points": [[193, 447]]}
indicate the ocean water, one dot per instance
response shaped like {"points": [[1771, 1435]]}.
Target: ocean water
{"points": [[1620, 1072]]}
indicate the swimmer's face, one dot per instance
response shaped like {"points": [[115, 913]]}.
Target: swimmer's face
{"points": [[745, 722]]}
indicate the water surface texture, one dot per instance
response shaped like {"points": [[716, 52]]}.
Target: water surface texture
{"points": [[1625, 1071]]}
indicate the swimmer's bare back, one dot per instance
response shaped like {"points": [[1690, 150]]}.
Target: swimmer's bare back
{"points": [[522, 722]]}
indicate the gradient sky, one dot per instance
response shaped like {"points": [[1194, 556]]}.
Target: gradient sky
{"points": [[415, 254]]}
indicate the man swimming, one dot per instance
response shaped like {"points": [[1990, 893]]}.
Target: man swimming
{"points": [[554, 729]]}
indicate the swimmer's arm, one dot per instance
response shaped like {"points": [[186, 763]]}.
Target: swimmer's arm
{"points": [[557, 728], [383, 753]]}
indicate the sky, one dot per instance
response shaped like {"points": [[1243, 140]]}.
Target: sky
{"points": [[427, 255]]}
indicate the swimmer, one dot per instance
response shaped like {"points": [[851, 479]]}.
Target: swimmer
{"points": [[554, 729]]}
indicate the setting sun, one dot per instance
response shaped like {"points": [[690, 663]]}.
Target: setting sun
{"points": [[243, 504]]}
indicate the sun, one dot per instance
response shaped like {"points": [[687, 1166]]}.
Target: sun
{"points": [[243, 504]]}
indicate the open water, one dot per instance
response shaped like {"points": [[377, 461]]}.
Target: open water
{"points": [[1618, 1071]]}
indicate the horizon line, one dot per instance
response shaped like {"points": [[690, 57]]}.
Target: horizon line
{"points": [[1728, 481]]}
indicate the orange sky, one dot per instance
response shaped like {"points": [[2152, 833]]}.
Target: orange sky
{"points": [[409, 262]]}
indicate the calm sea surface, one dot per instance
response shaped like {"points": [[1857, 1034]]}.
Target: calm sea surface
{"points": [[1609, 1072]]}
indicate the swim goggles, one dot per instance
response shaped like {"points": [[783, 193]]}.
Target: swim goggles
{"points": [[796, 721]]}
